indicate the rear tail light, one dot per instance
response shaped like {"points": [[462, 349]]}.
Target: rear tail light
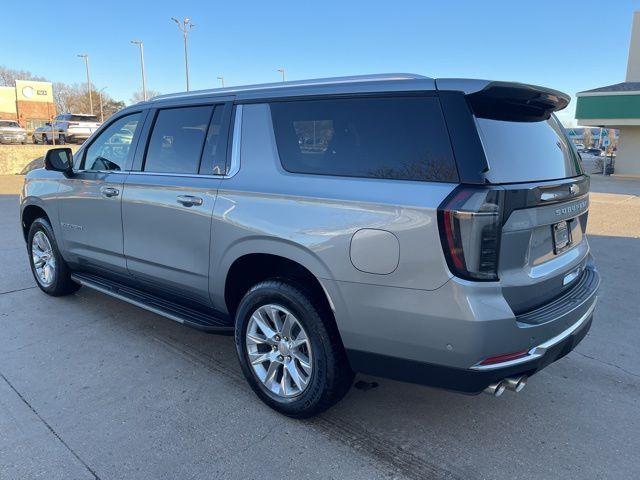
{"points": [[470, 222], [73, 123]]}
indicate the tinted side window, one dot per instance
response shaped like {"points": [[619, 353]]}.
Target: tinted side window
{"points": [[401, 138], [112, 148], [214, 156], [177, 139]]}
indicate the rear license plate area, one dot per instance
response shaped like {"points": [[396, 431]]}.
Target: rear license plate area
{"points": [[561, 236]]}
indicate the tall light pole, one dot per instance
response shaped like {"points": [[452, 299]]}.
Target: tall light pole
{"points": [[144, 80], [281, 70], [185, 27], [221, 81], [101, 110], [86, 64]]}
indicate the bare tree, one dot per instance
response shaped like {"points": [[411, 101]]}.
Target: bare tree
{"points": [[74, 99], [8, 76], [138, 96]]}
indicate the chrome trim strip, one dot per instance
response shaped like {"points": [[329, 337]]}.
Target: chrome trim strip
{"points": [[168, 174], [540, 350]]}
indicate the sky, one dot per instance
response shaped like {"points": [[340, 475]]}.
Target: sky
{"points": [[567, 45]]}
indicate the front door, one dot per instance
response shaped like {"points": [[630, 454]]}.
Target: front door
{"points": [[167, 205], [90, 199]]}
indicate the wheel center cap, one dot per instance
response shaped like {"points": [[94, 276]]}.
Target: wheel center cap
{"points": [[283, 348]]}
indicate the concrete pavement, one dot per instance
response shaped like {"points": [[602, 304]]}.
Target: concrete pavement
{"points": [[91, 387]]}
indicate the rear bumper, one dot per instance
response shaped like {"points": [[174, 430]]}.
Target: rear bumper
{"points": [[470, 381], [440, 338]]}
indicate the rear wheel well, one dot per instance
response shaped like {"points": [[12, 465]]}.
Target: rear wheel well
{"points": [[251, 269], [29, 214]]}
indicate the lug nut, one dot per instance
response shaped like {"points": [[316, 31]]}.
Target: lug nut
{"points": [[277, 338], [280, 358], [274, 348]]}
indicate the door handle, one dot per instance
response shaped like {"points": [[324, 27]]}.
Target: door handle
{"points": [[189, 201], [109, 191]]}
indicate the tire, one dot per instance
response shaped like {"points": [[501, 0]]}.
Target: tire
{"points": [[58, 282], [330, 375]]}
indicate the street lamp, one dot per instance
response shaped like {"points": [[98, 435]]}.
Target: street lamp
{"points": [[221, 81], [185, 27], [101, 111], [86, 64], [144, 80], [281, 70]]}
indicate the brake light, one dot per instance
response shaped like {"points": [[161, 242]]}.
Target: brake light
{"points": [[470, 227], [72, 123]]}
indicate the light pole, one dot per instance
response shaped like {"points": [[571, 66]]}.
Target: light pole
{"points": [[221, 81], [185, 27], [101, 111], [144, 80], [86, 64], [281, 70]]}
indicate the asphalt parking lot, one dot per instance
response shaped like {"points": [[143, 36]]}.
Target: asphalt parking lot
{"points": [[91, 387]]}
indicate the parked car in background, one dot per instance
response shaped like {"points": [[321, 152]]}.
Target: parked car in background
{"points": [[12, 132], [39, 135], [72, 128], [593, 152], [426, 230], [579, 146]]}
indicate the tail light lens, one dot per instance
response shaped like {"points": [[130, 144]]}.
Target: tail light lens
{"points": [[470, 222]]}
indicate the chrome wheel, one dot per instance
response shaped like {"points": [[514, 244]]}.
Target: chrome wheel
{"points": [[279, 350], [44, 261]]}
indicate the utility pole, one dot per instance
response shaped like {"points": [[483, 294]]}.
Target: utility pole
{"points": [[101, 110], [86, 64], [221, 81], [144, 80], [281, 70], [185, 27]]}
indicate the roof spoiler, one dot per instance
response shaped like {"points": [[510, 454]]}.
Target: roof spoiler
{"points": [[516, 102]]}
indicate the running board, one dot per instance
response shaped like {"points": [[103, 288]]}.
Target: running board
{"points": [[180, 313]]}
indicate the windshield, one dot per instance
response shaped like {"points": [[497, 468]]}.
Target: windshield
{"points": [[527, 151], [9, 124]]}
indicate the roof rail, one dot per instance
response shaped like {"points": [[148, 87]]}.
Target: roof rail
{"points": [[296, 83]]}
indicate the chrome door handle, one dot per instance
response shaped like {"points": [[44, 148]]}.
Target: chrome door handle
{"points": [[109, 191], [189, 201]]}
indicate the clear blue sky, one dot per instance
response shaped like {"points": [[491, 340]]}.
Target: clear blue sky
{"points": [[568, 45]]}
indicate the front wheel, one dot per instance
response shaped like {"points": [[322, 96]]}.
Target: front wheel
{"points": [[293, 360], [51, 272]]}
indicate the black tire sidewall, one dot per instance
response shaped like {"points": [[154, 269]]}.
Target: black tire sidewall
{"points": [[323, 361]]}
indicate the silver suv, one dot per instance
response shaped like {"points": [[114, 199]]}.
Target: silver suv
{"points": [[70, 128], [430, 231]]}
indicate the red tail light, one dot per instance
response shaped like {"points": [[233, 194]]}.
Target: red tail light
{"points": [[470, 227], [504, 357]]}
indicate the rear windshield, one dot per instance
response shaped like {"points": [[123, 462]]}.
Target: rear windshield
{"points": [[81, 118], [527, 151]]}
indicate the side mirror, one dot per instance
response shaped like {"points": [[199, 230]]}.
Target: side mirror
{"points": [[59, 160]]}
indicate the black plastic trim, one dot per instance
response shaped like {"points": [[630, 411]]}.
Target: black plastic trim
{"points": [[193, 316]]}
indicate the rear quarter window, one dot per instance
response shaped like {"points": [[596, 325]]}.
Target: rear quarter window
{"points": [[403, 138]]}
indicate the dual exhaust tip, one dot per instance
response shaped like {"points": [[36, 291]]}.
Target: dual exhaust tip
{"points": [[515, 384]]}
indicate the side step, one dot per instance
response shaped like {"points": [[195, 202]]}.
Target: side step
{"points": [[180, 313]]}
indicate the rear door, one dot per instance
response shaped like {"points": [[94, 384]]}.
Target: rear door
{"points": [[168, 203]]}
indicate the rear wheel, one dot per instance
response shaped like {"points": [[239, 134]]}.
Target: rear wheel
{"points": [[51, 272], [293, 360]]}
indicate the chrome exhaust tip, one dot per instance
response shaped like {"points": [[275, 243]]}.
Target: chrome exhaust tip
{"points": [[495, 389], [515, 384]]}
